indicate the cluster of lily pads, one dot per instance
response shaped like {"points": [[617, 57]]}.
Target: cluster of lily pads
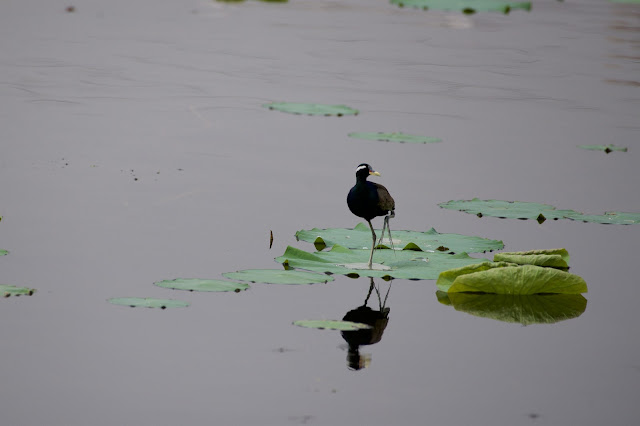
{"points": [[540, 212]]}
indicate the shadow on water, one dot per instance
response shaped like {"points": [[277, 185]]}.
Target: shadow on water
{"points": [[377, 319]]}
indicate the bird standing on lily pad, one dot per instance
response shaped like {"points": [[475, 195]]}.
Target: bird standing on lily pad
{"points": [[368, 200]]}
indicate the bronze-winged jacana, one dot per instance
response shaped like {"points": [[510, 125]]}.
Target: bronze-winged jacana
{"points": [[368, 200]]}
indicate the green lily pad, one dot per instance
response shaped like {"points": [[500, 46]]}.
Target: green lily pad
{"points": [[4, 252], [537, 211], [11, 290], [148, 302], [522, 309], [606, 148], [197, 284], [609, 218], [278, 276], [332, 325], [394, 137], [406, 264], [429, 241], [312, 109], [554, 258], [526, 279], [465, 6], [446, 278]]}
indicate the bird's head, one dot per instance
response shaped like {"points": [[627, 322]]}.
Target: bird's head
{"points": [[364, 170]]}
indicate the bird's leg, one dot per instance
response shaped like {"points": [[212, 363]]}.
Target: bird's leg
{"points": [[373, 244], [386, 226]]}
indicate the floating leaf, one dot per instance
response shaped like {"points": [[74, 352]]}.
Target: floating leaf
{"points": [[4, 252], [523, 309], [446, 278], [148, 302], [554, 258], [537, 211], [332, 325], [394, 137], [11, 290], [527, 279], [312, 109], [465, 6], [405, 264], [606, 148], [429, 241], [197, 284], [609, 218], [278, 276]]}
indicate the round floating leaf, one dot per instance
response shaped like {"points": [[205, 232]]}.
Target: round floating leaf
{"points": [[312, 109], [525, 310], [197, 284], [332, 325], [395, 137], [527, 279], [148, 302], [11, 290], [3, 252], [605, 148], [406, 264], [540, 212], [429, 241], [278, 276], [465, 6], [553, 258], [507, 209], [609, 218]]}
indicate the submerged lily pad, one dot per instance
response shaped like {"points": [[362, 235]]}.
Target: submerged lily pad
{"points": [[606, 148], [428, 241], [3, 252], [312, 109], [197, 284], [465, 6], [395, 137], [523, 309], [526, 279], [148, 302], [407, 264], [278, 276], [332, 325], [11, 290], [537, 211], [554, 258]]}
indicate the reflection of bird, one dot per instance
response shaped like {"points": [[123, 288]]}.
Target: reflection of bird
{"points": [[378, 321], [368, 200]]}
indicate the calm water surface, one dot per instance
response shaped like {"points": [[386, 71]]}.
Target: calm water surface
{"points": [[134, 149]]}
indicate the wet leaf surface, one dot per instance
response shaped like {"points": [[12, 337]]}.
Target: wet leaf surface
{"points": [[312, 109], [278, 276], [198, 284], [332, 325], [135, 302]]}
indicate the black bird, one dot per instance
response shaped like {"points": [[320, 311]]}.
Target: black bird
{"points": [[368, 200]]}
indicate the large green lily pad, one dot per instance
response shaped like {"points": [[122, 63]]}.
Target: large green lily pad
{"points": [[394, 137], [312, 109], [465, 6], [11, 290], [606, 148], [198, 284], [526, 279], [554, 258], [278, 276], [446, 278], [4, 252], [537, 211], [428, 241], [148, 302], [332, 325], [406, 264], [523, 309]]}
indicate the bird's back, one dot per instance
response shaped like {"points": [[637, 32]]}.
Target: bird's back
{"points": [[369, 199]]}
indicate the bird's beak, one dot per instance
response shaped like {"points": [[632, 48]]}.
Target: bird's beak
{"points": [[371, 172]]}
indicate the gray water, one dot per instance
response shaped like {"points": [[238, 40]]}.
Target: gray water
{"points": [[135, 149]]}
